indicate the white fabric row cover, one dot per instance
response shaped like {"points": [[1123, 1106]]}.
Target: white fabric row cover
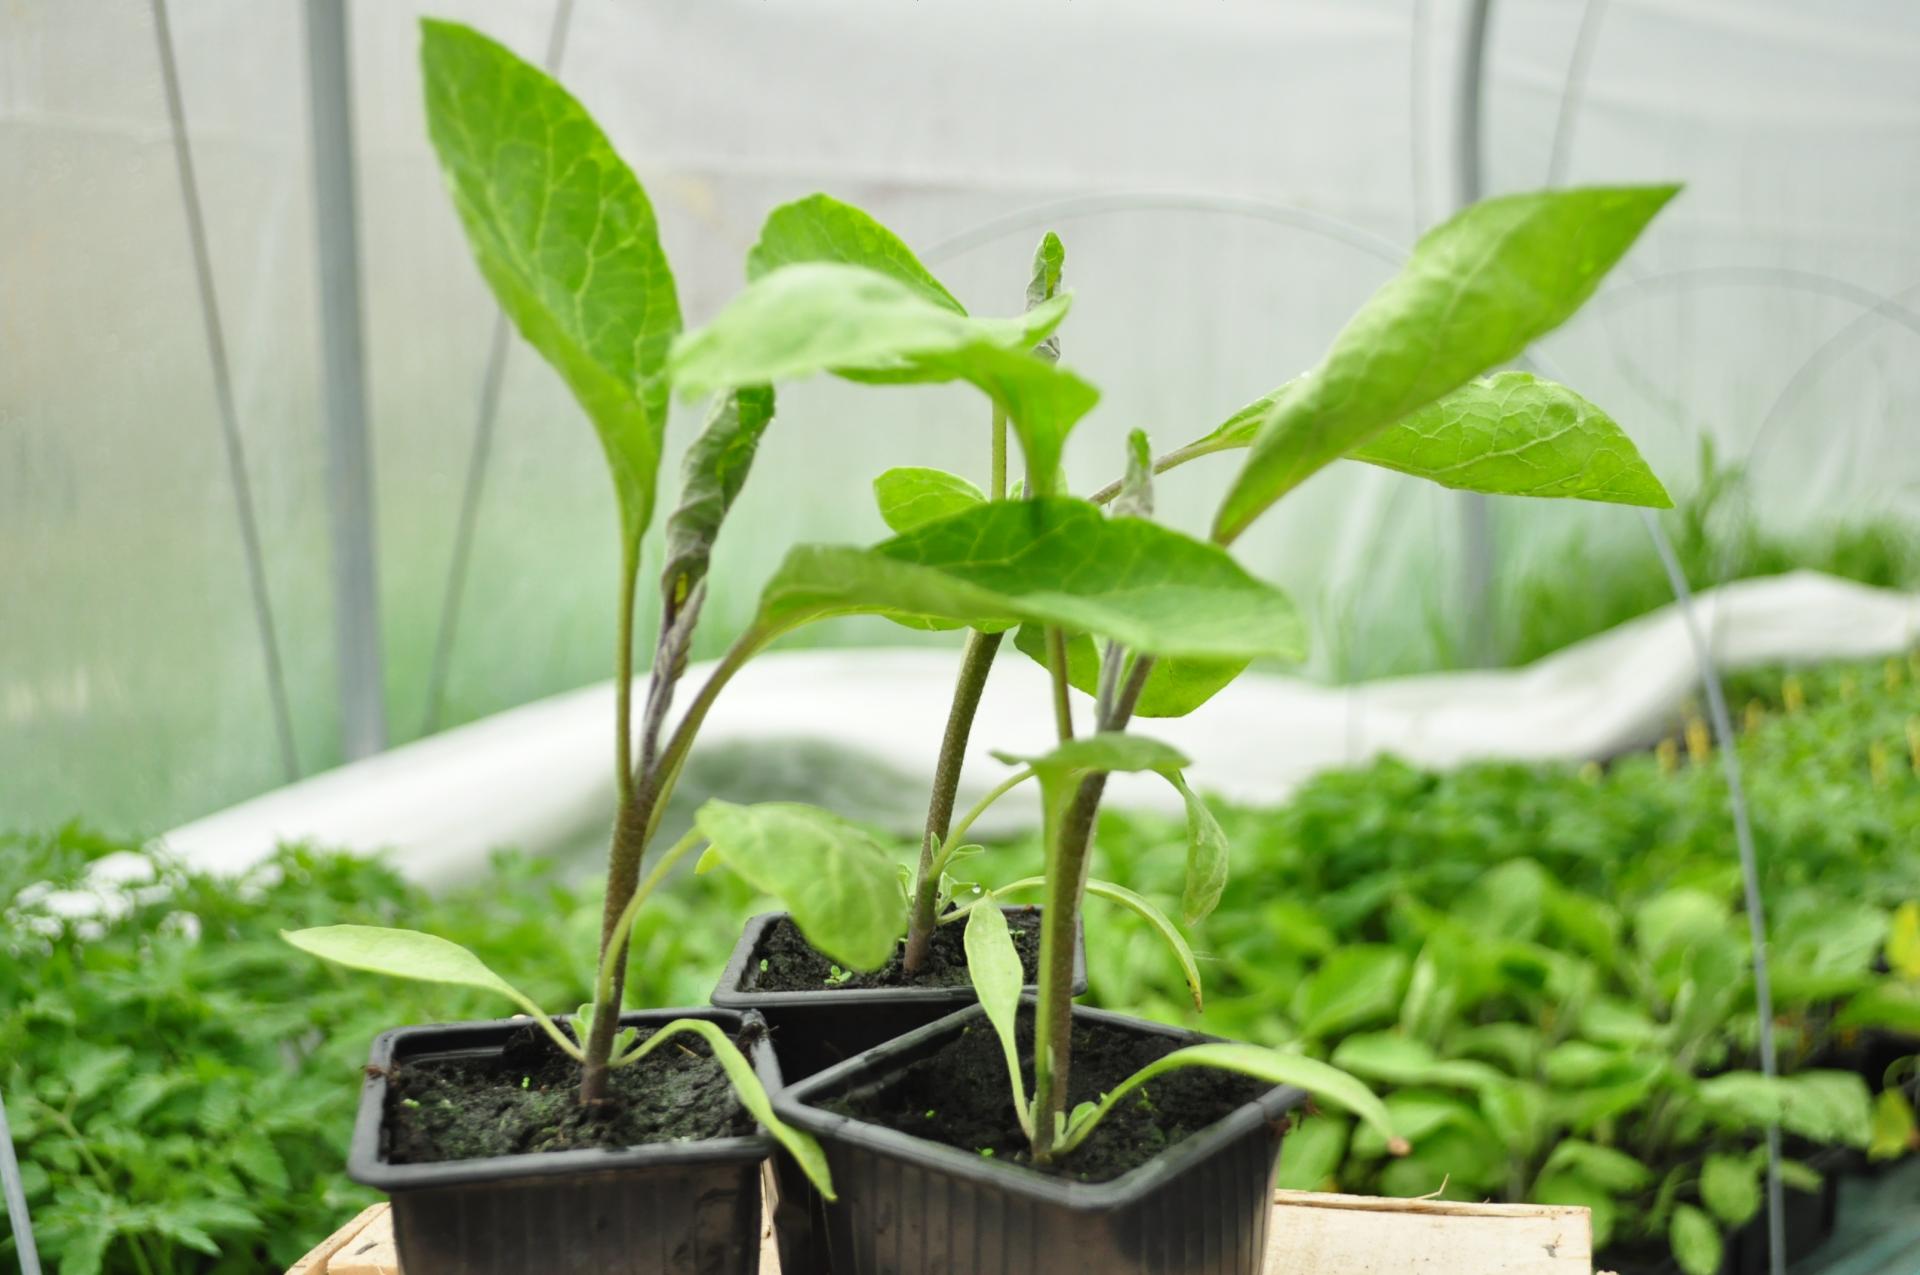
{"points": [[539, 776]]}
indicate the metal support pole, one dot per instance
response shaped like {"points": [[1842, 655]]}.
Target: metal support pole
{"points": [[15, 1191], [356, 601], [1476, 530]]}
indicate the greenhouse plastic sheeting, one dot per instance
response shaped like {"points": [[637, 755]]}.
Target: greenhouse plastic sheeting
{"points": [[1766, 310], [537, 776]]}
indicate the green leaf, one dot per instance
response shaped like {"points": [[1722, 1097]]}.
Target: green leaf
{"points": [[993, 963], [836, 878], [409, 954], [1478, 289], [711, 476], [566, 238], [1677, 919], [1420, 1116], [1892, 1005], [1323, 1082], [912, 496], [753, 1096], [1049, 263], [1695, 1240], [1136, 488], [1174, 687], [1359, 984], [821, 228], [1893, 1132], [1107, 751], [255, 1155], [1189, 967], [1903, 941], [1730, 1188], [1311, 1153], [1824, 1106], [1396, 1060], [1513, 434], [1048, 561], [1607, 1168], [1565, 1188], [1206, 877], [1518, 1112]]}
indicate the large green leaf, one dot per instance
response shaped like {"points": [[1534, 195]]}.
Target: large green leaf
{"points": [[824, 316], [1173, 688], [711, 475], [1513, 434], [912, 496], [1397, 1060], [836, 878], [1695, 1240], [1730, 1188], [753, 1095], [821, 228], [1477, 290], [993, 964], [1048, 561], [1605, 1167], [1311, 1152], [566, 237]]}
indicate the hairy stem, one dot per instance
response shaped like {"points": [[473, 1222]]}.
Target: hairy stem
{"points": [[623, 676], [997, 489], [1070, 838], [1057, 666], [975, 664], [603, 982], [1172, 460]]}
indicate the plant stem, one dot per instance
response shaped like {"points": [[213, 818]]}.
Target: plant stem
{"points": [[997, 490], [1057, 666], [975, 664], [1172, 460], [603, 983], [623, 676], [1070, 838]]}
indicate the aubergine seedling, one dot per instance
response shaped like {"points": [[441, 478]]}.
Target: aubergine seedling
{"points": [[1144, 618]]}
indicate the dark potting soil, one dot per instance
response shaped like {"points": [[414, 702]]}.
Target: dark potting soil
{"points": [[960, 1097], [783, 960], [526, 1099]]}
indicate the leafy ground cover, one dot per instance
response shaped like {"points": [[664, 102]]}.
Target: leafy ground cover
{"points": [[1543, 967]]}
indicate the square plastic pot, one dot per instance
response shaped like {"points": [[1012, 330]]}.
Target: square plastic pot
{"points": [[912, 1207], [815, 1030], [686, 1208]]}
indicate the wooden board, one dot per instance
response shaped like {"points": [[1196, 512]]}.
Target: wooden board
{"points": [[1312, 1234]]}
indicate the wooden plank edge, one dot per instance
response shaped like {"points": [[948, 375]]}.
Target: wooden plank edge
{"points": [[315, 1262], [1432, 1208]]}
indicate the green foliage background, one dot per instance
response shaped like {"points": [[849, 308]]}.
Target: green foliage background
{"points": [[181, 1090]]}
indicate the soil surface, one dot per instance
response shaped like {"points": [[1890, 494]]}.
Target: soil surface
{"points": [[783, 960], [960, 1097], [526, 1099]]}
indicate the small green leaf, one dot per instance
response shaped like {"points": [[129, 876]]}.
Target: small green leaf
{"points": [[753, 1096], [1893, 1132], [993, 963], [836, 878], [1136, 488], [583, 1022], [1189, 967], [255, 1155], [1730, 1188], [1890, 1004], [1107, 751], [1359, 984], [1903, 941], [1677, 919], [911, 496], [1513, 434], [1477, 290], [1695, 1240], [1048, 561], [565, 236], [1325, 1083], [711, 476], [1393, 1059], [1311, 1152], [821, 228], [1206, 856], [1610, 1169], [1174, 687], [1049, 263]]}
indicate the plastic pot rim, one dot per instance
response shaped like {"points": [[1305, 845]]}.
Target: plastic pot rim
{"points": [[792, 1104], [368, 1166]]}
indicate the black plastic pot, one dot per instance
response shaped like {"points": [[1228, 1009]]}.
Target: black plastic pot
{"points": [[687, 1208], [812, 1031], [909, 1206]]}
